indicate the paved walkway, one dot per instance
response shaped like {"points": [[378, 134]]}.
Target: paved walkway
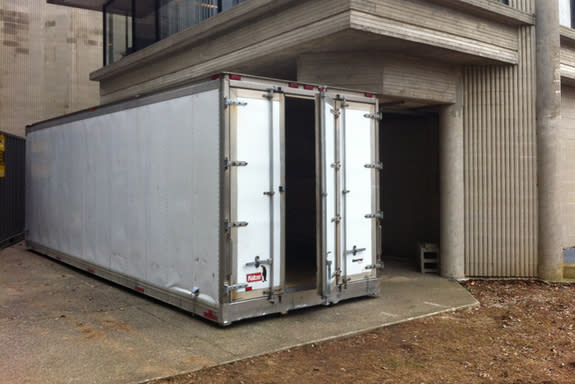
{"points": [[58, 325]]}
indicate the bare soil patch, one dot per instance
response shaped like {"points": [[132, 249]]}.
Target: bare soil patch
{"points": [[523, 332]]}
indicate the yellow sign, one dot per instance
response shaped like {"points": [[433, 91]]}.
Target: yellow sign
{"points": [[2, 150]]}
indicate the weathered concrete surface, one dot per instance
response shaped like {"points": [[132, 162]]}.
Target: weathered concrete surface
{"points": [[549, 160], [46, 55], [58, 325], [452, 188]]}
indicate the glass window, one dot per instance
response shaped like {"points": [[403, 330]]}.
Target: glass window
{"points": [[130, 25], [118, 30], [177, 15], [227, 4], [145, 23]]}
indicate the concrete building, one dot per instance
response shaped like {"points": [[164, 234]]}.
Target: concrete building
{"points": [[46, 55], [478, 131]]}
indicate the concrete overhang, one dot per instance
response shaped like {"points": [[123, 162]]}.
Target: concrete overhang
{"points": [[265, 37], [94, 5]]}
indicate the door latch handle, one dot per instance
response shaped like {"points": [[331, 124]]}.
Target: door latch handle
{"points": [[354, 251], [257, 262]]}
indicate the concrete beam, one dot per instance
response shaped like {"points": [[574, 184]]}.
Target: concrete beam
{"points": [[550, 258]]}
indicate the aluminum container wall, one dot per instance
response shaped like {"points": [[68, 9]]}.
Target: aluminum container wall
{"points": [[133, 189], [12, 161]]}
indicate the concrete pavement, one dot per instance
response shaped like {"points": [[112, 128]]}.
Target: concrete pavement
{"points": [[59, 325]]}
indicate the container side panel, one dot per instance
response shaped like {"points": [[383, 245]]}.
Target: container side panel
{"points": [[100, 217], [134, 191], [128, 203], [184, 194], [360, 190], [56, 212]]}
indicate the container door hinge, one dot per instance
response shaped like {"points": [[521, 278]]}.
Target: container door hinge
{"points": [[374, 266], [228, 164], [375, 116], [271, 91], [235, 224], [234, 287], [234, 102], [377, 215], [378, 166]]}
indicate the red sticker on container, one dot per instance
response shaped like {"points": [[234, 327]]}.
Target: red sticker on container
{"points": [[253, 277]]}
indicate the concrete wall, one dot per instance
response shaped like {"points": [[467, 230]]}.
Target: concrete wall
{"points": [[567, 134], [46, 55], [500, 166], [396, 76]]}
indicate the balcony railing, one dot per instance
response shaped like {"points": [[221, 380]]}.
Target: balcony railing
{"points": [[131, 25]]}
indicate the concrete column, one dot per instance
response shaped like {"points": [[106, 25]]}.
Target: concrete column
{"points": [[451, 189], [550, 262]]}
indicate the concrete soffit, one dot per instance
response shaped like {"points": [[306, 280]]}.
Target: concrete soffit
{"points": [[360, 16]]}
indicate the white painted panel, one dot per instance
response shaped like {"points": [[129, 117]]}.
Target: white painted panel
{"points": [[252, 136], [565, 13], [359, 184], [134, 191]]}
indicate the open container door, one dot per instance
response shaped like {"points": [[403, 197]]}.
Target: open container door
{"points": [[359, 191], [349, 191], [255, 164]]}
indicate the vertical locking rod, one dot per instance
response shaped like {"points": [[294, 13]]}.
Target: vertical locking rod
{"points": [[270, 97]]}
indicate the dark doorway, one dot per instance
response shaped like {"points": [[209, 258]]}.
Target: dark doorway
{"points": [[300, 195], [410, 184]]}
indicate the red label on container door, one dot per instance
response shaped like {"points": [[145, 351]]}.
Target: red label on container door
{"points": [[253, 277]]}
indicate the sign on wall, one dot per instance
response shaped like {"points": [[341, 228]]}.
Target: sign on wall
{"points": [[2, 150]]}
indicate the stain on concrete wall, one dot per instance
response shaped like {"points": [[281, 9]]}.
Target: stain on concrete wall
{"points": [[46, 55]]}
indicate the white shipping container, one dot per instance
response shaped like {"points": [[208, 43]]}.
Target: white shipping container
{"points": [[231, 198]]}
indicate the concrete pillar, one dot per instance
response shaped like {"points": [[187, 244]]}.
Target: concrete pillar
{"points": [[550, 262], [451, 189]]}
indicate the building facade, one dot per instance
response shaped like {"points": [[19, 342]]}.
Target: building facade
{"points": [[46, 55], [478, 130]]}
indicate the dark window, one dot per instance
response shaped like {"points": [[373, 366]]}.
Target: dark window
{"points": [[177, 15], [145, 23], [130, 25], [118, 30]]}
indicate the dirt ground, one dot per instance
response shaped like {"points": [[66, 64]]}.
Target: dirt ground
{"points": [[523, 332]]}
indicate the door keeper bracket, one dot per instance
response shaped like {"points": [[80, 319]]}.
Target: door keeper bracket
{"points": [[229, 102]]}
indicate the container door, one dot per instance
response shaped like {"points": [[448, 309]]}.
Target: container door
{"points": [[349, 192], [359, 190], [255, 167]]}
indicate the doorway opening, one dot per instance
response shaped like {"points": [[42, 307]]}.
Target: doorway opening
{"points": [[300, 195], [409, 185]]}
